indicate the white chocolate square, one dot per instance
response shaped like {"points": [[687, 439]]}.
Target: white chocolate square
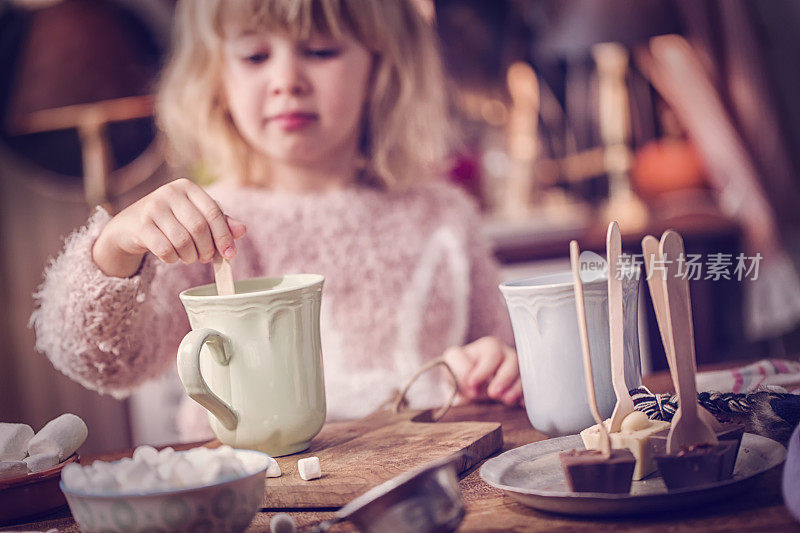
{"points": [[634, 434]]}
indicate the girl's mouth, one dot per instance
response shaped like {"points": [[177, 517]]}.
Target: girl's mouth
{"points": [[293, 120]]}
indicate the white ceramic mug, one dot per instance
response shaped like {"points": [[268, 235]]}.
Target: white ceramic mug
{"points": [[545, 327], [254, 361]]}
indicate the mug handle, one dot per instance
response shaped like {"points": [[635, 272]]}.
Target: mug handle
{"points": [[193, 382]]}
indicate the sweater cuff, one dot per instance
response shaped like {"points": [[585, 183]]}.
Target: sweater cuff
{"points": [[84, 318], [82, 241]]}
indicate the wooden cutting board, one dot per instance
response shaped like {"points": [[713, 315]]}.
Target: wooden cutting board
{"points": [[358, 455]]}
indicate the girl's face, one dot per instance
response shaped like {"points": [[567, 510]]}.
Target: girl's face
{"points": [[298, 103]]}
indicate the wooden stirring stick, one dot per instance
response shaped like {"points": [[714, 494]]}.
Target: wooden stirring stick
{"points": [[656, 285], [223, 276], [687, 428], [580, 307], [651, 255], [624, 405]]}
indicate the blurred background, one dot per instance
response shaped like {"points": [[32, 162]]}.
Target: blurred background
{"points": [[661, 114]]}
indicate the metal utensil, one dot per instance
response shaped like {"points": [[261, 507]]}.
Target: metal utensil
{"points": [[424, 500]]}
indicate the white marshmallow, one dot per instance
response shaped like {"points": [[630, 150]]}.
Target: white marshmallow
{"points": [[200, 457], [220, 470], [102, 481], [41, 461], [164, 469], [309, 468], [61, 436], [14, 441], [165, 454], [74, 476], [100, 466], [274, 469], [150, 482], [150, 470], [185, 474], [129, 474], [148, 454], [225, 451], [9, 469]]}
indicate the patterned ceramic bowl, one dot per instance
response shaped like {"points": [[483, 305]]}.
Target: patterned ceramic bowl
{"points": [[226, 506]]}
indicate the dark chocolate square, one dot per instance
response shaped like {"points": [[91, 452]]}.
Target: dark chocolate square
{"points": [[697, 465], [588, 471], [729, 431]]}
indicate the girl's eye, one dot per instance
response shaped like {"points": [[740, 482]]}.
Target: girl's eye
{"points": [[322, 53], [256, 59]]}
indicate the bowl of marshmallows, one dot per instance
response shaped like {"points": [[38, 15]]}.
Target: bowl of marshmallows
{"points": [[31, 464], [200, 489]]}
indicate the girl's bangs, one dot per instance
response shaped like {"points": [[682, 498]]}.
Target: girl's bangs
{"points": [[300, 18]]}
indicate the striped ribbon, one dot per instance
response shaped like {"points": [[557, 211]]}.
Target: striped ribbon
{"points": [[663, 406]]}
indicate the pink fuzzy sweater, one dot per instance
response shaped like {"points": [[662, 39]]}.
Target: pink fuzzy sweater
{"points": [[406, 276]]}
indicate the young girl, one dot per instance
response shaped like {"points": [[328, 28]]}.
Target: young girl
{"points": [[322, 121]]}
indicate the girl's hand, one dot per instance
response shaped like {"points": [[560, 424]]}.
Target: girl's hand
{"points": [[178, 220], [486, 369]]}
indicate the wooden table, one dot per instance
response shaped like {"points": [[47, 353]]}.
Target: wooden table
{"points": [[489, 510]]}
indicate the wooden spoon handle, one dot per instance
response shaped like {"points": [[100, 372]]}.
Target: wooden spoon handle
{"points": [[223, 276], [656, 284], [580, 307], [679, 319], [616, 333]]}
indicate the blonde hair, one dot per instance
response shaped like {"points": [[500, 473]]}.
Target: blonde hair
{"points": [[406, 133]]}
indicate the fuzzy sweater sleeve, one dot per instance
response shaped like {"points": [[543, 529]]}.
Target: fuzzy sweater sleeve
{"points": [[109, 334]]}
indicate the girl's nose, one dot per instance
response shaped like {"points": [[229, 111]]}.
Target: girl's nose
{"points": [[288, 77]]}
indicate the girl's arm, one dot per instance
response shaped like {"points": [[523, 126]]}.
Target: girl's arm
{"points": [[108, 311], [110, 334]]}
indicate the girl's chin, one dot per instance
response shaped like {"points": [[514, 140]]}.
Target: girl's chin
{"points": [[295, 157], [289, 149]]}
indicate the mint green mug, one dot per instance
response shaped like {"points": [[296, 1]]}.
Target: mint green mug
{"points": [[254, 361]]}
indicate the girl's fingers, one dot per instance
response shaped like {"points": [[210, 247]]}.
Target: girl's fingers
{"points": [[513, 394], [461, 365], [157, 243], [238, 229], [488, 353], [505, 376], [195, 223], [215, 218], [178, 236]]}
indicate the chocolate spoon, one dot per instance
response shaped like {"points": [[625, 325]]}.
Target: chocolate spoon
{"points": [[687, 428], [580, 307], [656, 285]]}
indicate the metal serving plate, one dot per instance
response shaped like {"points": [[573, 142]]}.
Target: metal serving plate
{"points": [[532, 475]]}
